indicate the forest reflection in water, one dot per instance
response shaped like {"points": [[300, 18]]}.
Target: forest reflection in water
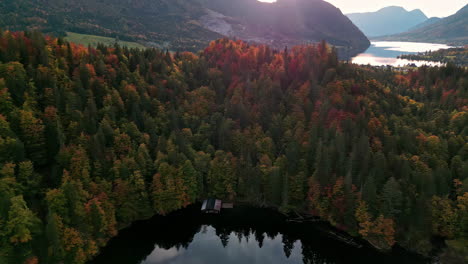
{"points": [[241, 235]]}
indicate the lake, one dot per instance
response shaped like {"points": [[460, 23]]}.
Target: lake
{"points": [[386, 53], [239, 235]]}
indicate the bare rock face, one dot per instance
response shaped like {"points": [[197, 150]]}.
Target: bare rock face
{"points": [[284, 23], [217, 22]]}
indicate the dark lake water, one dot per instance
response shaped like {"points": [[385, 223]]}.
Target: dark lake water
{"points": [[240, 235]]}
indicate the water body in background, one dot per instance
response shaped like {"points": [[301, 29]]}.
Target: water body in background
{"points": [[382, 53], [239, 235]]}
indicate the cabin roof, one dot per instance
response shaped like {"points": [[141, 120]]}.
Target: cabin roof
{"points": [[211, 204]]}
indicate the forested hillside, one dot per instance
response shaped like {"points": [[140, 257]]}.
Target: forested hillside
{"points": [[166, 23], [189, 25], [92, 139]]}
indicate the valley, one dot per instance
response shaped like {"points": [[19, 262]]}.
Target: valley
{"points": [[118, 118]]}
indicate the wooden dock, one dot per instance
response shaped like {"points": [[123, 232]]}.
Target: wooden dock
{"points": [[228, 205]]}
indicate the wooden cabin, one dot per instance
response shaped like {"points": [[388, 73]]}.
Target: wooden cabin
{"points": [[211, 206]]}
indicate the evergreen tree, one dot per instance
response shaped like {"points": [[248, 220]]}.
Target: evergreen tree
{"points": [[21, 222], [392, 198]]}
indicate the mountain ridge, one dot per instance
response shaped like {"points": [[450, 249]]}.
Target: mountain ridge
{"points": [[185, 25], [449, 30], [386, 21]]}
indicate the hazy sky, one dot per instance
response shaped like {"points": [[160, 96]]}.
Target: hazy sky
{"points": [[440, 8]]}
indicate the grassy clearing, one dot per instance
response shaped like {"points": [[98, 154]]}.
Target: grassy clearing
{"points": [[93, 40]]}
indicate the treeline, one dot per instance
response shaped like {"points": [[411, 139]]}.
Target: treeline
{"points": [[92, 139], [457, 56]]}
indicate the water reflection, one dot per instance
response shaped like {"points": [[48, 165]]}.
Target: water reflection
{"points": [[161, 255], [386, 53], [207, 247], [242, 235]]}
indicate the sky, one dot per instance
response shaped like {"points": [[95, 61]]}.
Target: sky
{"points": [[439, 8]]}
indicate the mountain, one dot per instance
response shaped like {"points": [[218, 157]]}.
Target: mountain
{"points": [[428, 22], [451, 30], [286, 22], [163, 23], [189, 25], [388, 20]]}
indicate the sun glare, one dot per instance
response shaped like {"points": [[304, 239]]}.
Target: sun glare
{"points": [[267, 1]]}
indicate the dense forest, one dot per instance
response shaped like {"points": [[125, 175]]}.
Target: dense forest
{"points": [[92, 139]]}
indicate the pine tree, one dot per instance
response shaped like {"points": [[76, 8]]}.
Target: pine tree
{"points": [[15, 79], [369, 193], [322, 169], [54, 231], [139, 195], [221, 177], [6, 102], [32, 134], [190, 176], [392, 198], [21, 221]]}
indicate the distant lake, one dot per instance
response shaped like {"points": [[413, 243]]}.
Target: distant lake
{"points": [[386, 52], [239, 235]]}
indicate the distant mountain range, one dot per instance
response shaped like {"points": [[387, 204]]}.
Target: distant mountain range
{"points": [[450, 30], [387, 21], [189, 24]]}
